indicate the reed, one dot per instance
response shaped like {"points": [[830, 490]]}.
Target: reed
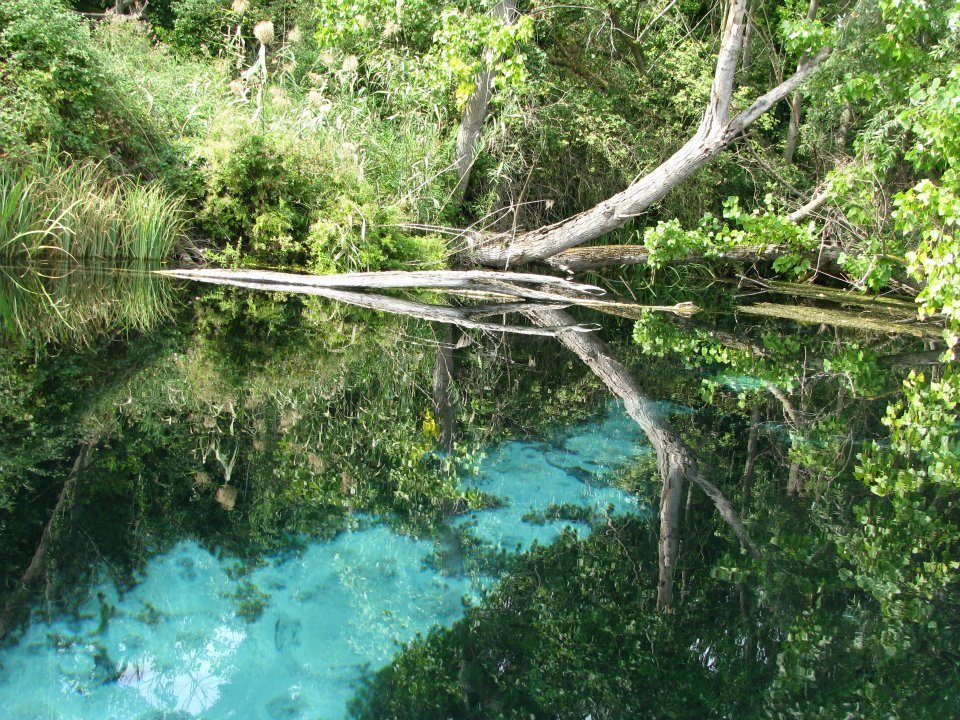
{"points": [[79, 211]]}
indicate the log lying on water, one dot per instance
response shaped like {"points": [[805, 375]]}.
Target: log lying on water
{"points": [[594, 257], [520, 286], [903, 307], [466, 317], [529, 286]]}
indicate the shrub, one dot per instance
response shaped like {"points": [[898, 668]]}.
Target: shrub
{"points": [[280, 198], [199, 25], [55, 88]]}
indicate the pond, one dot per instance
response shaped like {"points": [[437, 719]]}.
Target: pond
{"points": [[221, 502]]}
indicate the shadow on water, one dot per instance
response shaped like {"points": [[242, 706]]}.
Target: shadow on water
{"points": [[270, 505]]}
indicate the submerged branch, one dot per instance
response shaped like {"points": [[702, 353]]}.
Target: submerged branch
{"points": [[675, 458]]}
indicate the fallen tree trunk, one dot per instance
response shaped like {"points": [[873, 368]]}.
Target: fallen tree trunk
{"points": [[524, 286], [466, 316], [599, 256], [715, 132], [675, 459], [517, 284], [840, 318], [897, 306]]}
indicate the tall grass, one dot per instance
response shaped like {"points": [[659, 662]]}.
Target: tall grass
{"points": [[80, 211]]}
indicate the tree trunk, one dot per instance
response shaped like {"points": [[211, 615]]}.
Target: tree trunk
{"points": [[121, 6], [598, 256], [442, 392], [475, 111], [793, 130], [472, 283], [675, 459], [671, 496], [715, 132], [746, 481]]}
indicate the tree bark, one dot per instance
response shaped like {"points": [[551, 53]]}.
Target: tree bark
{"points": [[467, 316], [598, 256], [522, 285], [746, 480], [472, 283], [675, 460], [845, 319], [715, 132], [671, 495], [475, 111], [793, 130]]}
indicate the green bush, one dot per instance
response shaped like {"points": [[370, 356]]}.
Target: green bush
{"points": [[199, 25], [274, 197], [53, 84]]}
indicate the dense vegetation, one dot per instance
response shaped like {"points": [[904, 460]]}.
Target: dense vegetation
{"points": [[325, 136]]}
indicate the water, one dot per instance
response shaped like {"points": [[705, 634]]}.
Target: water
{"points": [[269, 527], [204, 635]]}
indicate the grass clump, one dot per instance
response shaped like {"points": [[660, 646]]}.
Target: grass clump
{"points": [[79, 210]]}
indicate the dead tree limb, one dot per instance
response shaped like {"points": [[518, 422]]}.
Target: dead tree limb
{"points": [[715, 132], [526, 285], [597, 256], [521, 286], [840, 318], [466, 317]]}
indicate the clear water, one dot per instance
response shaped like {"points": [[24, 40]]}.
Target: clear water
{"points": [[204, 636]]}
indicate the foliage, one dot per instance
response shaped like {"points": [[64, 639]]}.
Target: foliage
{"points": [[293, 200], [668, 241]]}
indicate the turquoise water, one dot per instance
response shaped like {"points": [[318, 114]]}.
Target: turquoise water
{"points": [[201, 635]]}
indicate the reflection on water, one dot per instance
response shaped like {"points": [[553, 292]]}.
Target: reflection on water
{"points": [[290, 508], [69, 304], [290, 636]]}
